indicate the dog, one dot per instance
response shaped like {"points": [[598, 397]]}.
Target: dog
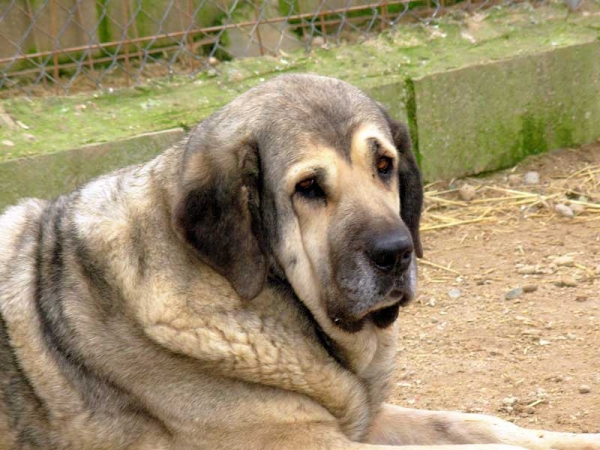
{"points": [[239, 291]]}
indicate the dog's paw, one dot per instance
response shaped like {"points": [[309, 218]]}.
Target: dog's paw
{"points": [[567, 441]]}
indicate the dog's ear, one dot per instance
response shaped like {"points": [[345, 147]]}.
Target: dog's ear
{"points": [[218, 211], [411, 185]]}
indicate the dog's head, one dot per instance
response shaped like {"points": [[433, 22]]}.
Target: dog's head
{"points": [[308, 178]]}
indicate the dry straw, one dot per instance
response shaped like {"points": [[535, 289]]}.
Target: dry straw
{"points": [[495, 202], [501, 203]]}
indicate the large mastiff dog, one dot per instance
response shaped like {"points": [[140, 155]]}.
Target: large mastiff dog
{"points": [[240, 291]]}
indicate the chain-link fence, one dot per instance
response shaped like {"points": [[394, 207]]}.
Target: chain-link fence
{"points": [[61, 46]]}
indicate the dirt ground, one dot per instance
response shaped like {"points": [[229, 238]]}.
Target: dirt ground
{"points": [[534, 359]]}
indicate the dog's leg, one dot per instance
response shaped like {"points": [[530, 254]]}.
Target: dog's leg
{"points": [[395, 425], [323, 436]]}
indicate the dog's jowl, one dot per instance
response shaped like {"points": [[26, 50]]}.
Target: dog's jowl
{"points": [[240, 291]]}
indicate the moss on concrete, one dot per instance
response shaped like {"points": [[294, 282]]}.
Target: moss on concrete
{"points": [[491, 115], [411, 112]]}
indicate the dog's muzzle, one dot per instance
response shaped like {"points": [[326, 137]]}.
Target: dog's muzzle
{"points": [[382, 279]]}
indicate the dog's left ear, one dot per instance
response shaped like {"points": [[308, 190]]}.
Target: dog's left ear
{"points": [[217, 210], [411, 185]]}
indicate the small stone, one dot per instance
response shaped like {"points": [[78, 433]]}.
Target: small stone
{"points": [[454, 293], [566, 282], [22, 125], [513, 293], [527, 270], [467, 192], [29, 137], [6, 120], [431, 302], [564, 261], [531, 178], [213, 61], [581, 298], [8, 143], [597, 270], [529, 288], [514, 180], [434, 320], [236, 76], [533, 332], [577, 208], [563, 210], [510, 401], [317, 41], [584, 389]]}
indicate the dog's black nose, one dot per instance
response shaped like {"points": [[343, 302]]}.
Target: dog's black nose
{"points": [[391, 250]]}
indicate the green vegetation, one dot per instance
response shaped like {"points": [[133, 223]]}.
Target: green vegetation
{"points": [[103, 27], [411, 111], [533, 135], [412, 52]]}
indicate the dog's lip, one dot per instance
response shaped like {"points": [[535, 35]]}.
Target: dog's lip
{"points": [[368, 313], [385, 306], [395, 297], [397, 294], [353, 324]]}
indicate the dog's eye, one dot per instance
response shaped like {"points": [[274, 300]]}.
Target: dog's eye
{"points": [[309, 188], [384, 165]]}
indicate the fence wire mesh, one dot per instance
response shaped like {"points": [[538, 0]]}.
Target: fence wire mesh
{"points": [[62, 46]]}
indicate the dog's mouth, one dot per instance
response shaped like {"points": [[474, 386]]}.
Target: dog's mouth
{"points": [[384, 317], [382, 314]]}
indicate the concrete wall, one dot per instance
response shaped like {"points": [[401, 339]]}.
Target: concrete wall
{"points": [[489, 116], [50, 175]]}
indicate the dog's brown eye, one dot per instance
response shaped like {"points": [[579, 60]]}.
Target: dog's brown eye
{"points": [[384, 165], [306, 184], [309, 188]]}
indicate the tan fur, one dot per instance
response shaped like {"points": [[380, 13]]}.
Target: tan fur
{"points": [[206, 368]]}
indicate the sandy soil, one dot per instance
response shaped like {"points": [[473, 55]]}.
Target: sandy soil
{"points": [[532, 359]]}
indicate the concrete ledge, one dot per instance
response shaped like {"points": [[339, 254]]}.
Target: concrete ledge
{"points": [[50, 175], [489, 116]]}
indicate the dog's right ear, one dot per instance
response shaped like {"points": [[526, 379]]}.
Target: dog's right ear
{"points": [[411, 184], [217, 211]]}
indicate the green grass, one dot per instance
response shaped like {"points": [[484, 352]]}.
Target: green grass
{"points": [[60, 123]]}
